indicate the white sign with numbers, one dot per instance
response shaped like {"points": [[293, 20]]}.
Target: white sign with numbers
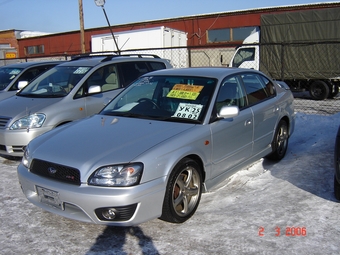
{"points": [[188, 111]]}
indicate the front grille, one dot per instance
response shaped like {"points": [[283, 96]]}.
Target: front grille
{"points": [[2, 147], [4, 121], [55, 171], [123, 213]]}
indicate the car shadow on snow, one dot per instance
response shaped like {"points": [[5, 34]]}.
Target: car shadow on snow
{"points": [[113, 240], [310, 170]]}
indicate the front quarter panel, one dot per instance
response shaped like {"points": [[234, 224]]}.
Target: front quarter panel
{"points": [[161, 160]]}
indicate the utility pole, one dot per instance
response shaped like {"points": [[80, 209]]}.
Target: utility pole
{"points": [[81, 19]]}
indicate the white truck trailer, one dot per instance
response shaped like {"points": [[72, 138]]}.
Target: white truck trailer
{"points": [[155, 40]]}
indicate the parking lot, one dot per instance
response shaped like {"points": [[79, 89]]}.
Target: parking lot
{"points": [[268, 208], [303, 103]]}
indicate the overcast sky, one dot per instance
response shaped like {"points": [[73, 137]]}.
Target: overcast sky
{"points": [[63, 15]]}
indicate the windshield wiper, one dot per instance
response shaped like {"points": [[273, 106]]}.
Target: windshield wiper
{"points": [[39, 95], [125, 114], [176, 119], [143, 116]]}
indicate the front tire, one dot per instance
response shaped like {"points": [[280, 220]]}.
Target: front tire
{"points": [[280, 142], [183, 192]]}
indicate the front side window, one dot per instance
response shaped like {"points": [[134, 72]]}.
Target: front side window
{"points": [[29, 75], [230, 94], [242, 55], [7, 75], [106, 77], [170, 98]]}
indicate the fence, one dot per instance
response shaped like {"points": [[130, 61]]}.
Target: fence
{"points": [[281, 61]]}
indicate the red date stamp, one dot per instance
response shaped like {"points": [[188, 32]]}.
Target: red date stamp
{"points": [[288, 231]]}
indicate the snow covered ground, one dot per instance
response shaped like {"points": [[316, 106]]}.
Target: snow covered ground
{"points": [[269, 208]]}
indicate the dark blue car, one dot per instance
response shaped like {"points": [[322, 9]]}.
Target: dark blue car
{"points": [[337, 166]]}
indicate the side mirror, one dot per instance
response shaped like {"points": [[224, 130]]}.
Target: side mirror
{"points": [[22, 84], [94, 89], [227, 112]]}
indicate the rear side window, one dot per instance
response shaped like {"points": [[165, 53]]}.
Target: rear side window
{"points": [[130, 71], [156, 66], [258, 88]]}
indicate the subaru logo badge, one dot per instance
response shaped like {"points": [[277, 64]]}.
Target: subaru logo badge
{"points": [[51, 170]]}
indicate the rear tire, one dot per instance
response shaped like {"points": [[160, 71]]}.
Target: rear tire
{"points": [[280, 142], [336, 188], [183, 192], [319, 90]]}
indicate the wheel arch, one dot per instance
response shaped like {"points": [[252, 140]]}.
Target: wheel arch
{"points": [[63, 123], [199, 161], [287, 120]]}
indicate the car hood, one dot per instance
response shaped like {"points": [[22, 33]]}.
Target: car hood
{"points": [[101, 140], [22, 106], [6, 94]]}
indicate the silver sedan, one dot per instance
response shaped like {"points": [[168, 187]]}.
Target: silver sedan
{"points": [[153, 150]]}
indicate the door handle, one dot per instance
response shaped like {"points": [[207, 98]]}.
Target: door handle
{"points": [[247, 122]]}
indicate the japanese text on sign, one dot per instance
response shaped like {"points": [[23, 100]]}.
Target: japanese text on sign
{"points": [[184, 91]]}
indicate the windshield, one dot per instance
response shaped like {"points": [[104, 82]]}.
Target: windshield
{"points": [[171, 98], [7, 74], [56, 82]]}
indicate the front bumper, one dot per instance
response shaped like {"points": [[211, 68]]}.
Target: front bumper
{"points": [[81, 202], [12, 142]]}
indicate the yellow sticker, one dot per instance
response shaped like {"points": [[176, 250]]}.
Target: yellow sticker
{"points": [[184, 91]]}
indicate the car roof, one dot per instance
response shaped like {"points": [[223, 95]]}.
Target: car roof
{"points": [[94, 60], [212, 72], [33, 63]]}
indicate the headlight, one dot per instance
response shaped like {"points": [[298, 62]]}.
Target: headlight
{"points": [[31, 121], [26, 159], [117, 175]]}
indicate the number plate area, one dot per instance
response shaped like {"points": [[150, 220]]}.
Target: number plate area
{"points": [[49, 197]]}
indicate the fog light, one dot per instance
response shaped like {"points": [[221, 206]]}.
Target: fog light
{"points": [[109, 214], [116, 213]]}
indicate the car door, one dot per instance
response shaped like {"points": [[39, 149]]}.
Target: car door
{"points": [[107, 79], [261, 97], [231, 138]]}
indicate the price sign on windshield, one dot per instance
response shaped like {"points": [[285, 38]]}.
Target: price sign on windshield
{"points": [[188, 111]]}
